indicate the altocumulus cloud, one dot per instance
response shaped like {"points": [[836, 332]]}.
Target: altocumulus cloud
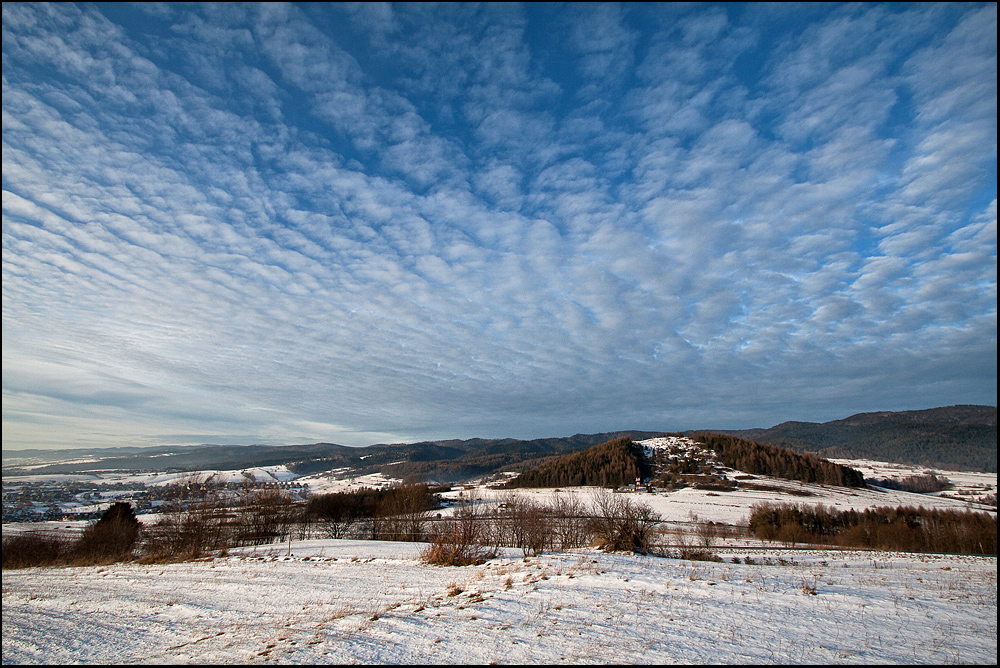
{"points": [[354, 223]]}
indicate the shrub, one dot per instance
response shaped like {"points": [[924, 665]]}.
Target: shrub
{"points": [[620, 524], [693, 554], [455, 544], [33, 548], [111, 538]]}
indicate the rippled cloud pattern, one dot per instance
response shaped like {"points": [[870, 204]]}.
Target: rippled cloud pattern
{"points": [[367, 222]]}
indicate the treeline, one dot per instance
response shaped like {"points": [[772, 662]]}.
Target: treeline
{"points": [[901, 529], [952, 437], [955, 447], [211, 524], [615, 463], [763, 459], [478, 529], [613, 522], [926, 483], [396, 513]]}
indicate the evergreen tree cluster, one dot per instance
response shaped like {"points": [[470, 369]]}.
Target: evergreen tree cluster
{"points": [[763, 459], [611, 464], [925, 483]]}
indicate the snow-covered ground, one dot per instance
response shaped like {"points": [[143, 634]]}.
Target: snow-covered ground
{"points": [[968, 485], [334, 481], [338, 601], [264, 474], [690, 505], [374, 602]]}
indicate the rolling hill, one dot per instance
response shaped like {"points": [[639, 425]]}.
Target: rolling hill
{"points": [[951, 437]]}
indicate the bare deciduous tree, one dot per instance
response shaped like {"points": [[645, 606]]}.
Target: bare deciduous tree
{"points": [[619, 523]]}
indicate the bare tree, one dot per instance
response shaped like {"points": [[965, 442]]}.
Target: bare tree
{"points": [[707, 533], [569, 522], [462, 540], [619, 523], [265, 516], [402, 515]]}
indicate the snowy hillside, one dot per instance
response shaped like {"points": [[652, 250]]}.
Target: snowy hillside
{"points": [[374, 602]]}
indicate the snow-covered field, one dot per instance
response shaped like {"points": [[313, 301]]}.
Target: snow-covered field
{"points": [[968, 485], [374, 602], [263, 474], [339, 601]]}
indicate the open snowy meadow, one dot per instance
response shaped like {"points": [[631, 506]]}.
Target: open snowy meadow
{"points": [[336, 601]]}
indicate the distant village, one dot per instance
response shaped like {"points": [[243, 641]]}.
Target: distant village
{"points": [[60, 500]]}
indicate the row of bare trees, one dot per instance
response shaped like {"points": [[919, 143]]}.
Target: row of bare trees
{"points": [[406, 513], [215, 523], [906, 529], [480, 526], [477, 530]]}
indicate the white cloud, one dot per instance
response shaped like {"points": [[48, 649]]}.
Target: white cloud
{"points": [[434, 230]]}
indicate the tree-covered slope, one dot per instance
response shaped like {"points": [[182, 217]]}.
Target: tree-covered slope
{"points": [[777, 462], [951, 437], [610, 464]]}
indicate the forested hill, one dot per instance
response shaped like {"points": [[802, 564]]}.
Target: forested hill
{"points": [[951, 437], [620, 461], [777, 462], [612, 464]]}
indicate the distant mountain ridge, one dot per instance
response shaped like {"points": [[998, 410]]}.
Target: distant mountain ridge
{"points": [[962, 437], [950, 437], [449, 460]]}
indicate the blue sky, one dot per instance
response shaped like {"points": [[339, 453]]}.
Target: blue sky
{"points": [[365, 223]]}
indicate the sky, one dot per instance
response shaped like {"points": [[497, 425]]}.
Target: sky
{"points": [[364, 223]]}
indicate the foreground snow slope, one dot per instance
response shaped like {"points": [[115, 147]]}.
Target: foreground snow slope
{"points": [[371, 602]]}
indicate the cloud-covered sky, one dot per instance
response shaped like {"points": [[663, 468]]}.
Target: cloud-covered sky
{"points": [[363, 223]]}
